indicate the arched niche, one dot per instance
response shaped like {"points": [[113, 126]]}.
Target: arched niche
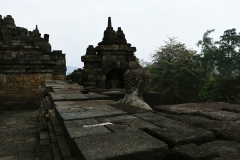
{"points": [[114, 70]]}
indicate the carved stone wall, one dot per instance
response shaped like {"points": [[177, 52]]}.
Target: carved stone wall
{"points": [[26, 60]]}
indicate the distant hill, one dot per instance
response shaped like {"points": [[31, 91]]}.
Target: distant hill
{"points": [[70, 69]]}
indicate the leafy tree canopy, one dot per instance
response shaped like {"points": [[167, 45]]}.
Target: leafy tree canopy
{"points": [[176, 72]]}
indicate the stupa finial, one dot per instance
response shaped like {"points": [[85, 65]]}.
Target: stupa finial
{"points": [[109, 22]]}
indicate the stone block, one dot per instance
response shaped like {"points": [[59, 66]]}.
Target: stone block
{"points": [[105, 53], [97, 96], [120, 58], [63, 96], [64, 149], [54, 121], [131, 58], [91, 76], [174, 132], [58, 130], [124, 122], [215, 110], [91, 65], [123, 47], [91, 58], [46, 57], [85, 127], [132, 49], [55, 151], [85, 109], [130, 145], [216, 149]]}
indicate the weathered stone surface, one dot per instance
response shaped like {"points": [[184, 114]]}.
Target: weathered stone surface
{"points": [[58, 130], [222, 129], [123, 122], [85, 127], [134, 145], [75, 106], [216, 149], [174, 132], [64, 149], [78, 110], [64, 96], [26, 60], [54, 121], [216, 110], [97, 96], [55, 151]]}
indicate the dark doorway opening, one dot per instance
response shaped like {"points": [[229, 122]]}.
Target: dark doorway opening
{"points": [[114, 79]]}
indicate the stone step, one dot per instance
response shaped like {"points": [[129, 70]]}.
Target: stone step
{"points": [[56, 153], [63, 147], [59, 146]]}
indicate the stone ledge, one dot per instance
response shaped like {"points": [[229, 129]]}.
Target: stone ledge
{"points": [[130, 145]]}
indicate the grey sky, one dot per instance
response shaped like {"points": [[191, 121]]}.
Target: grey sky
{"points": [[75, 24]]}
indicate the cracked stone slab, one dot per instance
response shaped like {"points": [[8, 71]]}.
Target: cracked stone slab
{"points": [[124, 122], [174, 132], [85, 109], [215, 110], [134, 145], [226, 130], [79, 128], [217, 149]]}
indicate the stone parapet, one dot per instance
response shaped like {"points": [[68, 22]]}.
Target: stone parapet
{"points": [[92, 126]]}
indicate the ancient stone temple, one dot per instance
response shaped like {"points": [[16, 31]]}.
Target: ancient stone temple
{"points": [[26, 60], [105, 64]]}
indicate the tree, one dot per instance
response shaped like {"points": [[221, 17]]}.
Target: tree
{"points": [[208, 53], [228, 57], [176, 72], [223, 59]]}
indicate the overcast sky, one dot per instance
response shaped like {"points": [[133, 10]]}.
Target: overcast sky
{"points": [[75, 24]]}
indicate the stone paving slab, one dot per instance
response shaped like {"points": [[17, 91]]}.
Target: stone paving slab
{"points": [[68, 96], [19, 132], [216, 149], [227, 130], [130, 145], [124, 122], [85, 127], [215, 110], [78, 110], [174, 132]]}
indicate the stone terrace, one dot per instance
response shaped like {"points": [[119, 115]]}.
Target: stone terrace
{"points": [[20, 136], [88, 126]]}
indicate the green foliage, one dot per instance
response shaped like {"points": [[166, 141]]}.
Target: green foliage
{"points": [[211, 92], [228, 57], [221, 59], [176, 72], [181, 75]]}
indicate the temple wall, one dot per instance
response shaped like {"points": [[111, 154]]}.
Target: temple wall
{"points": [[26, 61]]}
